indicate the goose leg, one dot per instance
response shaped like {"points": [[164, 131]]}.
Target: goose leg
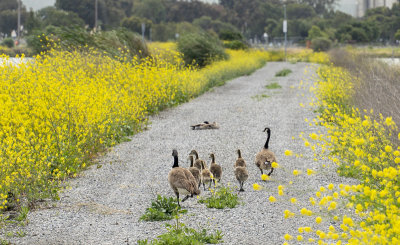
{"points": [[184, 199], [177, 198], [204, 186], [272, 170], [261, 171], [241, 186]]}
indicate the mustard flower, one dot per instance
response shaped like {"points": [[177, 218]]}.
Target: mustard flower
{"points": [[272, 199], [288, 152], [256, 187]]}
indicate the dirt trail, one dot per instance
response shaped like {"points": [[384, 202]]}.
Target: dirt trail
{"points": [[104, 204]]}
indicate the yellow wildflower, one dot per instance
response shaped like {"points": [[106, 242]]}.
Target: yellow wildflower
{"points": [[256, 187]]}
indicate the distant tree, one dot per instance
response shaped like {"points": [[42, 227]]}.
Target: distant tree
{"points": [[397, 35], [153, 10], [316, 32], [56, 17], [33, 22], [208, 24], [300, 11], [8, 5], [227, 3], [299, 27], [320, 6], [134, 23], [110, 12], [84, 9], [9, 15]]}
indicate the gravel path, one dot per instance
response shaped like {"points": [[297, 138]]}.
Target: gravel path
{"points": [[103, 206]]}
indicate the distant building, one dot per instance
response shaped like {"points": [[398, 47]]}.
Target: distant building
{"points": [[364, 5], [347, 6]]}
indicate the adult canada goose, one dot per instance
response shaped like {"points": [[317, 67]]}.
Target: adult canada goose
{"points": [[181, 180], [195, 171], [205, 176], [265, 157], [215, 169], [198, 163], [205, 125], [240, 162], [241, 175]]}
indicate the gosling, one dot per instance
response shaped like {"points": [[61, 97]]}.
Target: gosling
{"points": [[241, 175], [240, 162], [195, 171], [198, 163], [215, 169]]}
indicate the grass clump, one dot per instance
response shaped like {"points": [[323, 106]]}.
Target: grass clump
{"points": [[283, 73], [180, 234], [163, 208], [273, 86], [222, 198], [259, 97]]}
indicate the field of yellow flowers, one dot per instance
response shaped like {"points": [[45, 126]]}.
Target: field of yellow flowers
{"points": [[58, 112], [362, 147]]}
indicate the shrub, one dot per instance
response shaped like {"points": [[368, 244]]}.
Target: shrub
{"points": [[8, 42], [229, 35], [115, 43], [235, 44], [321, 44], [200, 49], [163, 208]]}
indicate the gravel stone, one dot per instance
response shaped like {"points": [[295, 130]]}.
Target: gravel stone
{"points": [[103, 205]]}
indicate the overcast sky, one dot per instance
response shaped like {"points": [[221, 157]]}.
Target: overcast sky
{"points": [[37, 4]]}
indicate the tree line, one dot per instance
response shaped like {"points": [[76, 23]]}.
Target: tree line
{"points": [[307, 19]]}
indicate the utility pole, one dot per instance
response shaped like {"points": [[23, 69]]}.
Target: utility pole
{"points": [[19, 21], [285, 25], [96, 3]]}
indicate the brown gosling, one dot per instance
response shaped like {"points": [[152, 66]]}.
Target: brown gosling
{"points": [[205, 176], [198, 163], [205, 125], [241, 175], [265, 157], [195, 171], [181, 180], [215, 169], [240, 162]]}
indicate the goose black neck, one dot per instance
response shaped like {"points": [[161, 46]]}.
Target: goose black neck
{"points": [[267, 142], [191, 161], [176, 165], [239, 153], [212, 158]]}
